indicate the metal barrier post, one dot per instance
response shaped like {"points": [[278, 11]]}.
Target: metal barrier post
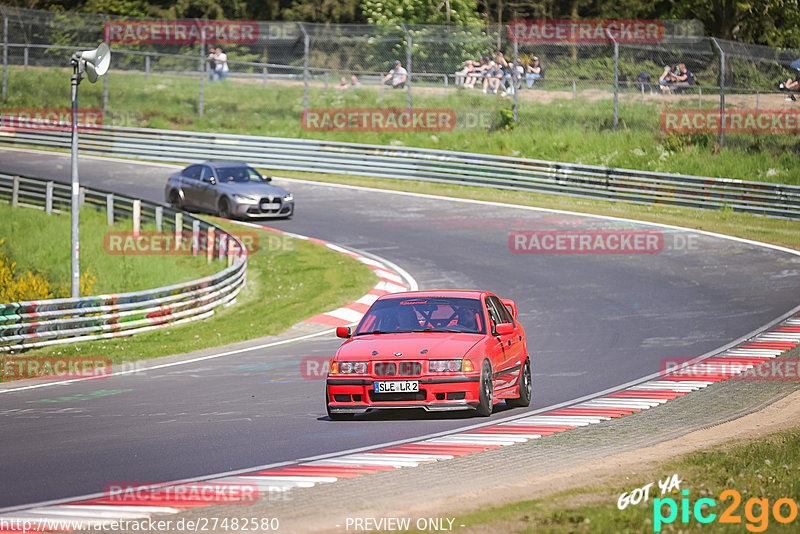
{"points": [[700, 97], [110, 209], [178, 229], [25, 58], [265, 78], [327, 76], [15, 192], [137, 217], [195, 237], [642, 87], [574, 92], [210, 242], [223, 246], [48, 198], [159, 218], [146, 67]]}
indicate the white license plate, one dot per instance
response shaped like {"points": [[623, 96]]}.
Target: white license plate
{"points": [[397, 386]]}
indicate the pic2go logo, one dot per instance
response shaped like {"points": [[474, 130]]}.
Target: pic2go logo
{"points": [[756, 511], [314, 367]]}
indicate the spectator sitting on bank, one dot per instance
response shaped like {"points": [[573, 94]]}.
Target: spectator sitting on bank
{"points": [[533, 72], [354, 83], [476, 74], [493, 78], [513, 80], [666, 77], [343, 85], [222, 64], [397, 76], [498, 58], [461, 76], [684, 77]]}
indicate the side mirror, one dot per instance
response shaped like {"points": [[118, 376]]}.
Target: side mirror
{"points": [[503, 329], [211, 180], [343, 331], [268, 178]]}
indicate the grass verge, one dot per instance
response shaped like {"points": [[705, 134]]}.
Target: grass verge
{"points": [[288, 280], [764, 468], [726, 221], [40, 244]]}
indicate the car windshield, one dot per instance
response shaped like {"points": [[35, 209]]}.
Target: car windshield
{"points": [[239, 175], [423, 314]]}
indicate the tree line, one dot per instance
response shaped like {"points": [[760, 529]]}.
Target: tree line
{"points": [[765, 22]]}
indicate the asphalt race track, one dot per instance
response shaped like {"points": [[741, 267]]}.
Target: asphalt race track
{"points": [[593, 321]]}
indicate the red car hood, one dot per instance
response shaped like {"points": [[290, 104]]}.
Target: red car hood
{"points": [[439, 345]]}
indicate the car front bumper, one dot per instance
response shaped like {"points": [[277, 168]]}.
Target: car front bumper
{"points": [[251, 209], [357, 395]]}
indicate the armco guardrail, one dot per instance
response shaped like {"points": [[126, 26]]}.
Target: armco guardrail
{"points": [[56, 321], [484, 170]]}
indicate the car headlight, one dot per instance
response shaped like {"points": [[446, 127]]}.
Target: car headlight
{"points": [[347, 368], [450, 366], [288, 198], [238, 196]]}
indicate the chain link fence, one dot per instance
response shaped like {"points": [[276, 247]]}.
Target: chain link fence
{"points": [[335, 66]]}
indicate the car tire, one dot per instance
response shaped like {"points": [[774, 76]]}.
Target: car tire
{"points": [[175, 200], [524, 399], [486, 392], [224, 210]]}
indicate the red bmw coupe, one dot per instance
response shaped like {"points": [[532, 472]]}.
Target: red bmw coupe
{"points": [[437, 350]]}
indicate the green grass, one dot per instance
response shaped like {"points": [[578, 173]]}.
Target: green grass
{"points": [[560, 130], [776, 231], [762, 468], [40, 243], [288, 280]]}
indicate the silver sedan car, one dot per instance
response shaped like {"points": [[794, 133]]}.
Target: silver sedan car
{"points": [[230, 190]]}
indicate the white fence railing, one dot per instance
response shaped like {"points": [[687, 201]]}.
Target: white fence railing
{"points": [[56, 321], [408, 163]]}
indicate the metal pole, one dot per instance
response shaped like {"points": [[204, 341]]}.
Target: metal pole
{"points": [[75, 212], [25, 58], [574, 91], [409, 43], [203, 65], [721, 92], [105, 78], [146, 67], [513, 79], [616, 83], [5, 51], [306, 45]]}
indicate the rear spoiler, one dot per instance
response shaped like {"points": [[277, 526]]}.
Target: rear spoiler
{"points": [[511, 305]]}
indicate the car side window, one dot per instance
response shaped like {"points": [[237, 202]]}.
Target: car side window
{"points": [[498, 311], [193, 171], [206, 174], [493, 315]]}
